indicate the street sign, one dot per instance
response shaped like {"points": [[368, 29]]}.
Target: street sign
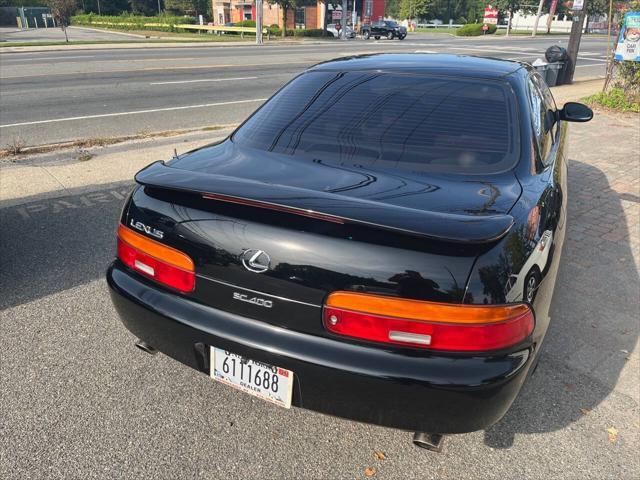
{"points": [[485, 27], [490, 15], [336, 15], [577, 5]]}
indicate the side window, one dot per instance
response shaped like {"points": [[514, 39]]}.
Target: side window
{"points": [[550, 104], [541, 120]]}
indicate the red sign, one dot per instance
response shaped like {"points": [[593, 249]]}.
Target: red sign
{"points": [[485, 27], [491, 15]]}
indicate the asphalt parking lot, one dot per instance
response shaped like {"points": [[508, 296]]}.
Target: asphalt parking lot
{"points": [[13, 34], [77, 400]]}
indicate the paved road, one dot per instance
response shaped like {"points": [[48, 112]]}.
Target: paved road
{"points": [[77, 400], [63, 95]]}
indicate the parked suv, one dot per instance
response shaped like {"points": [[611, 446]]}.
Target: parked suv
{"points": [[384, 28]]}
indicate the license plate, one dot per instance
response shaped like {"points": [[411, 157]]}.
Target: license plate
{"points": [[273, 384]]}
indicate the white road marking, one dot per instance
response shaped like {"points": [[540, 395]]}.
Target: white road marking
{"points": [[38, 59], [425, 51], [528, 54], [203, 80], [135, 112]]}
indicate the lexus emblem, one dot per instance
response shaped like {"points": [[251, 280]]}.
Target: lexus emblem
{"points": [[255, 261]]}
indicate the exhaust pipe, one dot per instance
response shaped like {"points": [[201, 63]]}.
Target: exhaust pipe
{"points": [[431, 441], [145, 347]]}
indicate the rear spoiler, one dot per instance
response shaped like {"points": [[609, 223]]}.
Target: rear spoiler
{"points": [[330, 207]]}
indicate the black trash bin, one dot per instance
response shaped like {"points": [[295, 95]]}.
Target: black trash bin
{"points": [[558, 59]]}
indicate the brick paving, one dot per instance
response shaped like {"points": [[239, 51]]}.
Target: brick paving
{"points": [[604, 183]]}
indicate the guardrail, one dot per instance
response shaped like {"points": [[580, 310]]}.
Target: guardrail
{"points": [[443, 25], [220, 28]]}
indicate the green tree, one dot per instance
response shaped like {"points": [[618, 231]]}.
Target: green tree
{"points": [[509, 7], [62, 11], [415, 8], [187, 7], [144, 7], [290, 5], [392, 8]]}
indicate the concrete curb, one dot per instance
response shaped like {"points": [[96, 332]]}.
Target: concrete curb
{"points": [[145, 44]]}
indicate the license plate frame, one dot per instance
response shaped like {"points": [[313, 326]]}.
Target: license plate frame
{"points": [[245, 373]]}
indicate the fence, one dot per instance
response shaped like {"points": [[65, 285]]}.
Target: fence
{"points": [[26, 17]]}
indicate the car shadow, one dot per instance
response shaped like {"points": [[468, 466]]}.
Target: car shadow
{"points": [[50, 245], [593, 326]]}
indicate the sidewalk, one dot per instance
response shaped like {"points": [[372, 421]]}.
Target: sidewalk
{"points": [[577, 90]]}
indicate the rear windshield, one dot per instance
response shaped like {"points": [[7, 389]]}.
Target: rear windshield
{"points": [[389, 120]]}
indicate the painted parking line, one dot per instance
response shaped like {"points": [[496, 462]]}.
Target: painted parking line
{"points": [[203, 80], [134, 112]]}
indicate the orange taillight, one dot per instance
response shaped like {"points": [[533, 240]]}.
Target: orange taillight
{"points": [[155, 249], [164, 264], [433, 325], [421, 310]]}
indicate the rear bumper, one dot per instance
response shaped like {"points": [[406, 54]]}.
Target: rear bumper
{"points": [[431, 393]]}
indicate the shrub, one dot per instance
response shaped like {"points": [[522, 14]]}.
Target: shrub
{"points": [[308, 32], [474, 30], [460, 20], [132, 22], [246, 23], [615, 98]]}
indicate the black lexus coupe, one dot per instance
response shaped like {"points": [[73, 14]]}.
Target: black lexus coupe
{"points": [[379, 241]]}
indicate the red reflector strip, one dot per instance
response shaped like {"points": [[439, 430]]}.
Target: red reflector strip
{"points": [[460, 337], [272, 206], [162, 272]]}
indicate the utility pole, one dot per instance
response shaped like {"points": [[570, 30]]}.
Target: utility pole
{"points": [[579, 11], [535, 24], [99, 8], [259, 5], [343, 20], [159, 11], [552, 12]]}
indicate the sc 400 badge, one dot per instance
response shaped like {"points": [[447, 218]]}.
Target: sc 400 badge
{"points": [[260, 302]]}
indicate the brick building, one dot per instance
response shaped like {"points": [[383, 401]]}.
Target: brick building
{"points": [[226, 11]]}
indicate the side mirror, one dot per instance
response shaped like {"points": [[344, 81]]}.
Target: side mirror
{"points": [[575, 112]]}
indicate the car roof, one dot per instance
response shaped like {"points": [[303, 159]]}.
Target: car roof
{"points": [[434, 63]]}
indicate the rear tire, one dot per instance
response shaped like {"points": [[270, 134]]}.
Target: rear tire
{"points": [[390, 35], [366, 34], [377, 37], [402, 37]]}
